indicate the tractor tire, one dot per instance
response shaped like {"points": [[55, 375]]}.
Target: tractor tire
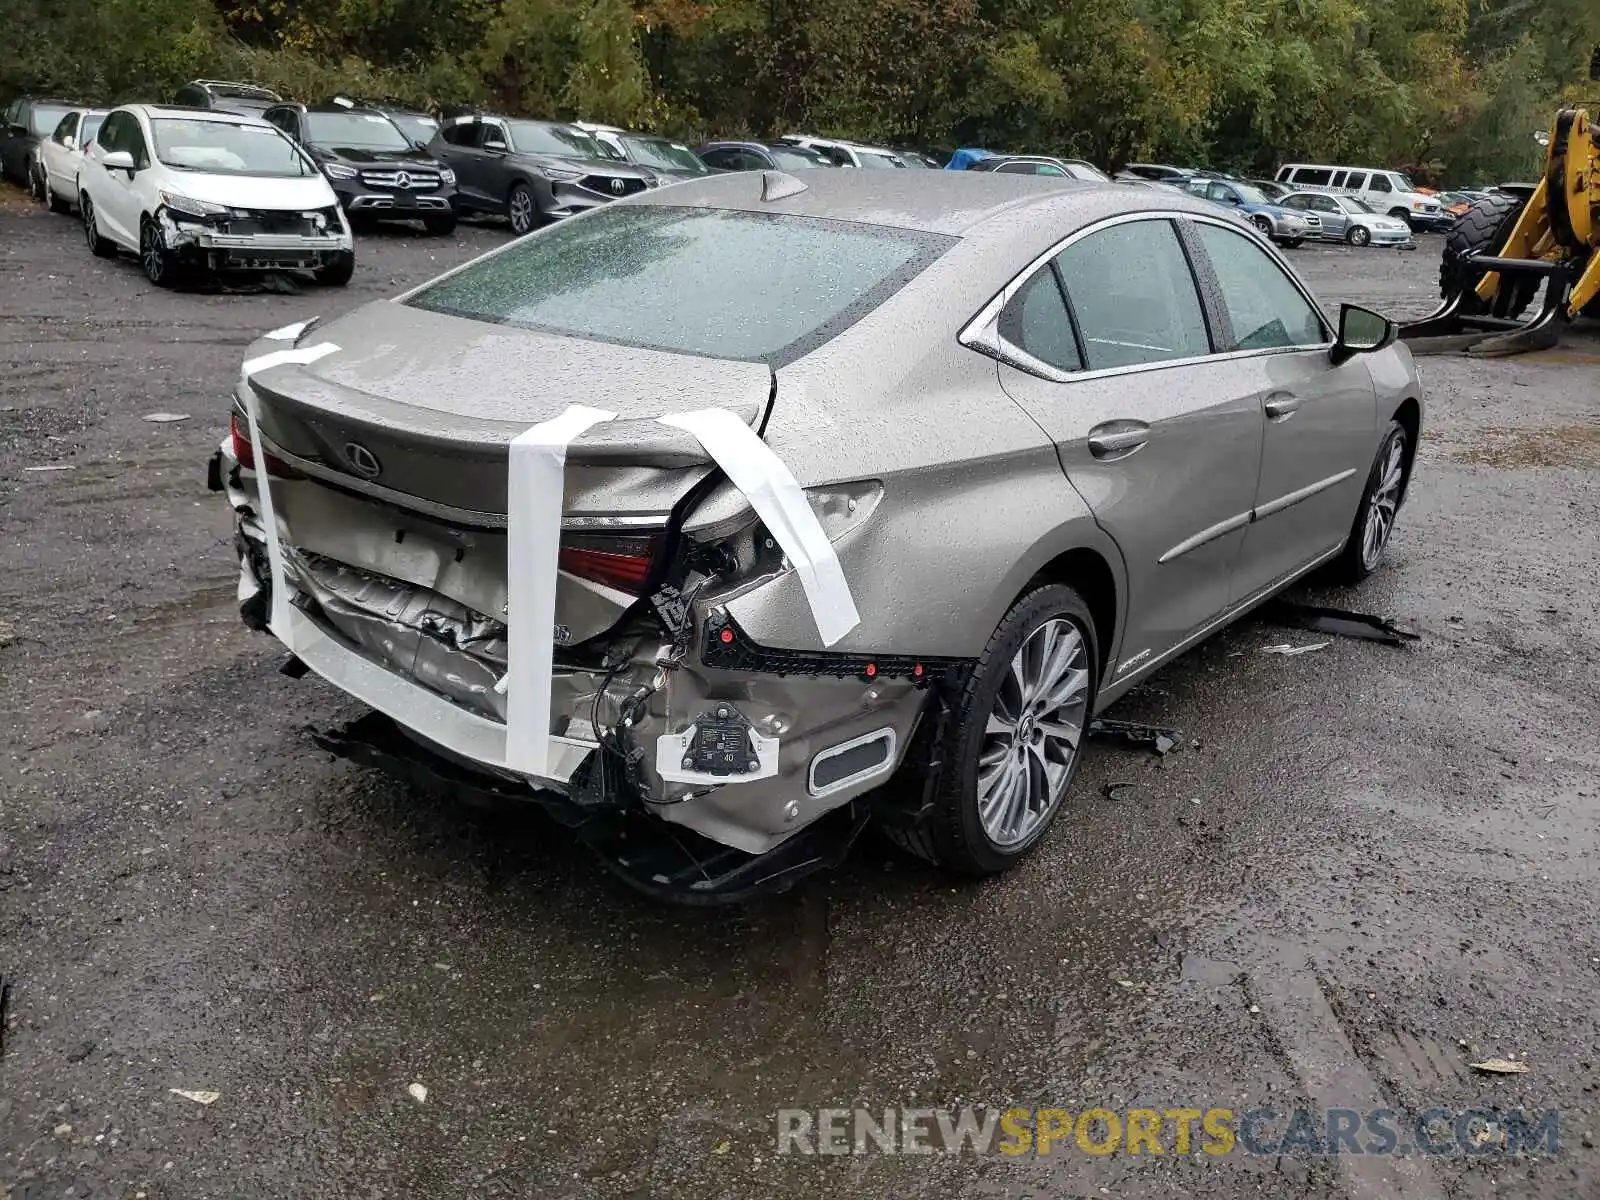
{"points": [[1483, 229]]}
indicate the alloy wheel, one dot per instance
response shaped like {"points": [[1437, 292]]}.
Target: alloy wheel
{"points": [[1383, 505], [1032, 735], [152, 253], [1359, 236], [1264, 224], [521, 210]]}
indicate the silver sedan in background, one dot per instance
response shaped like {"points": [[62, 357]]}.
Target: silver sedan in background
{"points": [[909, 476], [1346, 219]]}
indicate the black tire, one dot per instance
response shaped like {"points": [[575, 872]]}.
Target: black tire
{"points": [[1292, 243], [37, 187], [1358, 235], [522, 210], [954, 837], [338, 269], [1353, 564], [159, 263], [1483, 229], [1403, 214], [99, 246], [442, 225]]}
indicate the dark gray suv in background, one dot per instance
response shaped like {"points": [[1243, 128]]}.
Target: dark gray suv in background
{"points": [[533, 172]]}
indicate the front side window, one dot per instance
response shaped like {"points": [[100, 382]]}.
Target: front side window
{"points": [[1325, 204], [68, 126], [359, 131], [1267, 310], [225, 148], [1134, 296], [1035, 321], [755, 287], [1380, 183]]}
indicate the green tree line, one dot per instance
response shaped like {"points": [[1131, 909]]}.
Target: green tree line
{"points": [[1453, 89]]}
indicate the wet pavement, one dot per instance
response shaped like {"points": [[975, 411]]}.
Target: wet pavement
{"points": [[1365, 867]]}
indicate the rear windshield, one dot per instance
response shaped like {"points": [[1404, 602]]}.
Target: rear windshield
{"points": [[797, 159], [757, 287], [658, 152], [46, 117]]}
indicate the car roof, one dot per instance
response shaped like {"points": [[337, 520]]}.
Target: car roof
{"points": [[188, 112], [954, 203]]}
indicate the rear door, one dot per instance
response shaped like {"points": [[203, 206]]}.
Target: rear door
{"points": [[458, 148], [1110, 353], [1317, 420]]}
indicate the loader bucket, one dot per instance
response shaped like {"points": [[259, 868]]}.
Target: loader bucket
{"points": [[1455, 328]]}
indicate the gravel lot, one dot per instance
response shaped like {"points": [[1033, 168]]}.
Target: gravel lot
{"points": [[1365, 868]]}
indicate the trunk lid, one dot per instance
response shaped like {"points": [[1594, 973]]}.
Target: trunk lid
{"points": [[434, 401]]}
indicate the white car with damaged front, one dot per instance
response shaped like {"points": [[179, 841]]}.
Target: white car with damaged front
{"points": [[194, 190]]}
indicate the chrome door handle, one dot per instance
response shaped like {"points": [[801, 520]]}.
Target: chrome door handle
{"points": [[1281, 406], [1117, 439]]}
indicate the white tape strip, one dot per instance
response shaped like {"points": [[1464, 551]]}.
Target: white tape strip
{"points": [[535, 488], [278, 619], [772, 491], [288, 333]]}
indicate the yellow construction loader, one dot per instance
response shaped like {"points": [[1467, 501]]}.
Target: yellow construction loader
{"points": [[1515, 239]]}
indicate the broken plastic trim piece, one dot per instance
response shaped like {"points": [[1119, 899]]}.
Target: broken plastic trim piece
{"points": [[728, 647], [1136, 733], [1338, 622]]}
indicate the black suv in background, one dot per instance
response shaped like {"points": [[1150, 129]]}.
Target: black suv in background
{"points": [[375, 169], [420, 127], [533, 172], [244, 98], [28, 121]]}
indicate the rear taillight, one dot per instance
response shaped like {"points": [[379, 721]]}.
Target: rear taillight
{"points": [[239, 430], [622, 563]]}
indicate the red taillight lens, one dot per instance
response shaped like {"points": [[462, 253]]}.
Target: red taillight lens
{"points": [[239, 430], [622, 563]]}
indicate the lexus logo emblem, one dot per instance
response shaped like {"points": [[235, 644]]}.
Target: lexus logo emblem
{"points": [[617, 185], [402, 181], [362, 461]]}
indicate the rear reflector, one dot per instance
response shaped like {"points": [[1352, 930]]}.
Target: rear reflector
{"points": [[239, 431], [622, 563]]}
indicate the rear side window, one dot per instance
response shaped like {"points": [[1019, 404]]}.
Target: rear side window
{"points": [[1314, 176], [1035, 321], [1338, 178], [757, 287], [1357, 180], [1267, 310], [1134, 295]]}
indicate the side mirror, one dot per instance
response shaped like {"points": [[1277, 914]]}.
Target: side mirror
{"points": [[495, 146], [118, 160], [1362, 331], [69, 142], [17, 130]]}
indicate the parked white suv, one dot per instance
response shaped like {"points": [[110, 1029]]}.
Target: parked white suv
{"points": [[193, 189], [846, 154], [1389, 192]]}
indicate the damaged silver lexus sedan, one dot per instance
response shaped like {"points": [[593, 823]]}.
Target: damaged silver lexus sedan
{"points": [[728, 518]]}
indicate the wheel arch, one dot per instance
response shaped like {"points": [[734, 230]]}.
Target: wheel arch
{"points": [[1409, 414], [1089, 572]]}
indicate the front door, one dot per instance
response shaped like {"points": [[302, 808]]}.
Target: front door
{"points": [[1319, 420], [1155, 433], [458, 148]]}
